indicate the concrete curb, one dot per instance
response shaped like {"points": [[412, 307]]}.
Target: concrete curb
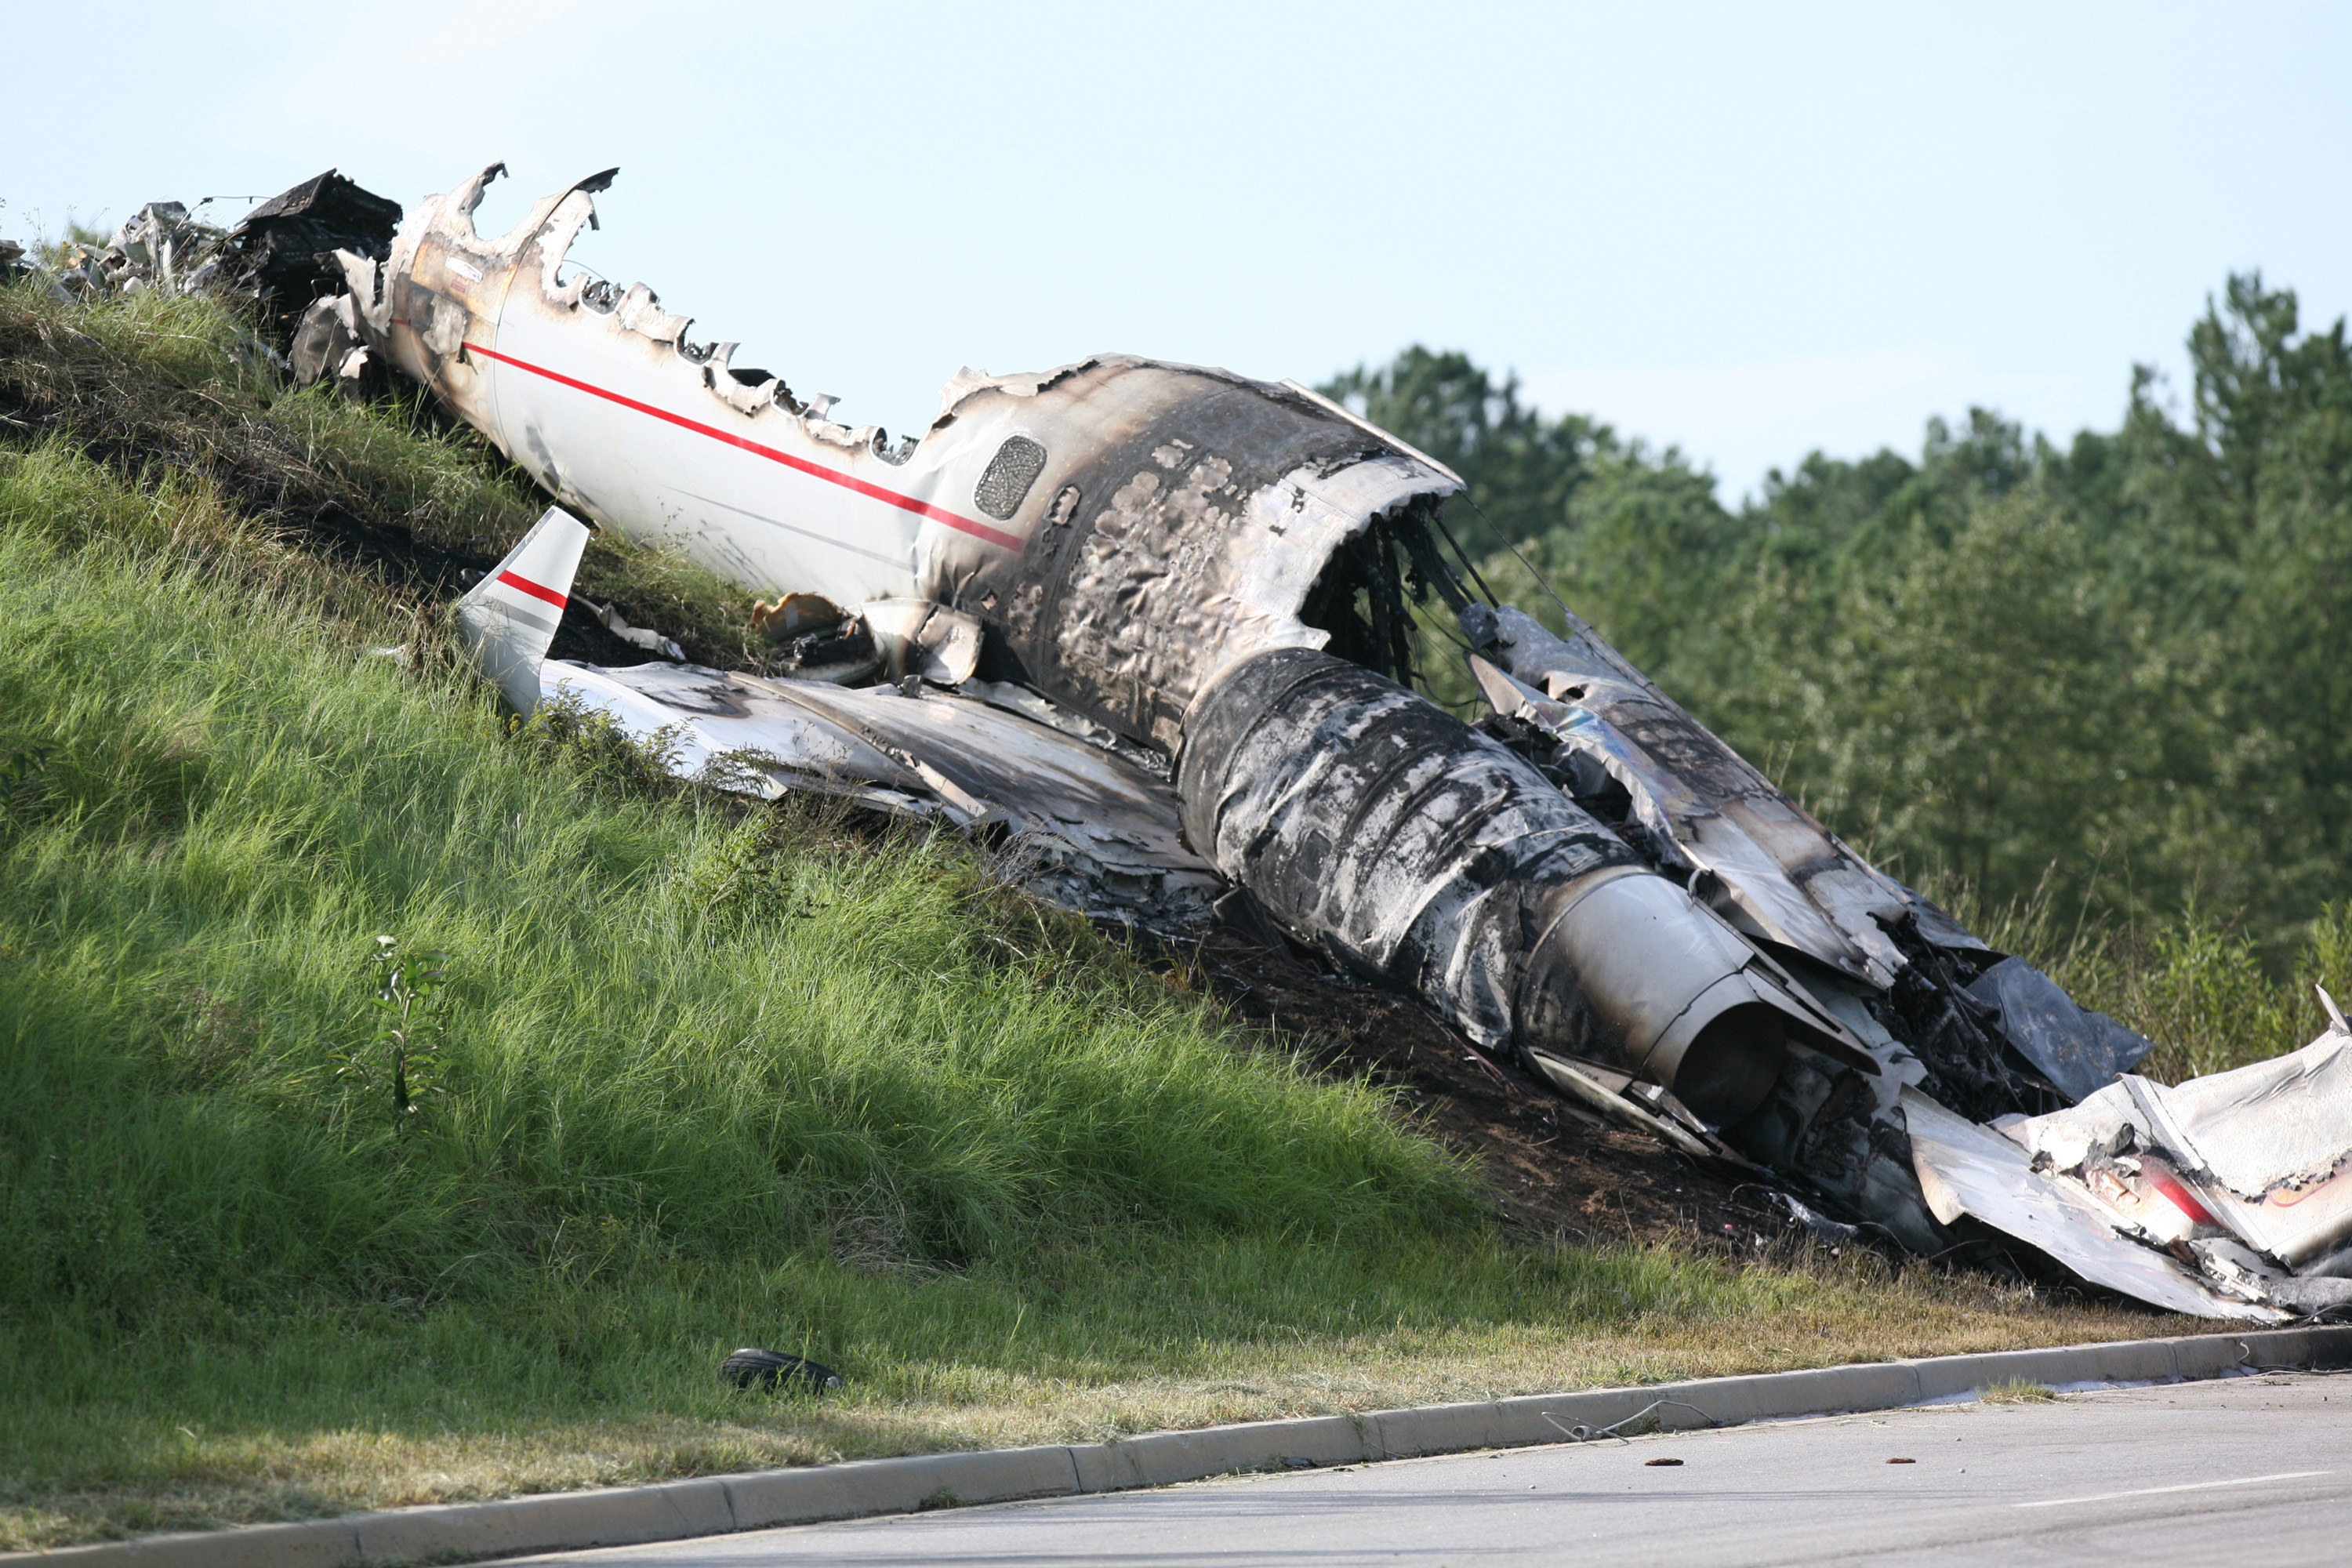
{"points": [[676, 1510]]}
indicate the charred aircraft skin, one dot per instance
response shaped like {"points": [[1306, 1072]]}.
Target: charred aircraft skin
{"points": [[1139, 544], [1154, 619]]}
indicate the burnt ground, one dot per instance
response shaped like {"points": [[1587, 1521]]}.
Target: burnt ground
{"points": [[1553, 1169]]}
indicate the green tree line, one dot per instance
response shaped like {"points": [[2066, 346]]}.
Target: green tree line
{"points": [[2111, 678]]}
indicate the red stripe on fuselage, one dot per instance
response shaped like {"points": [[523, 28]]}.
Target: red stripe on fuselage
{"points": [[534, 589], [980, 531]]}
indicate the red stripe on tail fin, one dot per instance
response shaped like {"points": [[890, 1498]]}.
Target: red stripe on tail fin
{"points": [[534, 589]]}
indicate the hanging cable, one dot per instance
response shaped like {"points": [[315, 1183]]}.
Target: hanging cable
{"points": [[1572, 622], [1437, 516]]}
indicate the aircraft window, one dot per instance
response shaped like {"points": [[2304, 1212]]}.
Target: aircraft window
{"points": [[1010, 474]]}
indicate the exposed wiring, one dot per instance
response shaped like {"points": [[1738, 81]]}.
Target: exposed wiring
{"points": [[1522, 560], [1437, 516]]}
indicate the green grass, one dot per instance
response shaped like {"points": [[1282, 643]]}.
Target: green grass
{"points": [[200, 1416], [710, 1076]]}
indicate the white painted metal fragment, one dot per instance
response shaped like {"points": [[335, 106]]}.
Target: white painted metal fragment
{"points": [[1966, 1169], [509, 618]]}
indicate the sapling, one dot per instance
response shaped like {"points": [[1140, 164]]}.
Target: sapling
{"points": [[411, 1025]]}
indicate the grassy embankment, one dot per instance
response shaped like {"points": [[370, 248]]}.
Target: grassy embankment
{"points": [[709, 1077]]}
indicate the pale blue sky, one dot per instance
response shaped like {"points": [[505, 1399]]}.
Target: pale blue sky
{"points": [[1749, 230]]}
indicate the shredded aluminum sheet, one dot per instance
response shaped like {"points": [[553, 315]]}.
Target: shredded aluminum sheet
{"points": [[2079, 1052], [2269, 1124], [1085, 828], [1967, 1169]]}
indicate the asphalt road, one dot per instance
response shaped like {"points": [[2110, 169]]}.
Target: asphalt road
{"points": [[2242, 1471]]}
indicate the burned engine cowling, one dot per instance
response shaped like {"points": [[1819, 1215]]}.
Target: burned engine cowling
{"points": [[1376, 827]]}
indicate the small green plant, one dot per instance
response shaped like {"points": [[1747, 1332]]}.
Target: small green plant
{"points": [[408, 1040], [602, 751]]}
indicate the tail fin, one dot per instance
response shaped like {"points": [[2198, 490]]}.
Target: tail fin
{"points": [[509, 618]]}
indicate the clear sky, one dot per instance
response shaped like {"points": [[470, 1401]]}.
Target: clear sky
{"points": [[1749, 230]]}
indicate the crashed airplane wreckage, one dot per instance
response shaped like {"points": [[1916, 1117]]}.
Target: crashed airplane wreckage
{"points": [[1155, 624]]}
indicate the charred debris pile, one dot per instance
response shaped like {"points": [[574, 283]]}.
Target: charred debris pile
{"points": [[1152, 629]]}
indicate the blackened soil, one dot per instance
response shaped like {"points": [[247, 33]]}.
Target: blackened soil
{"points": [[1552, 1169], [61, 384]]}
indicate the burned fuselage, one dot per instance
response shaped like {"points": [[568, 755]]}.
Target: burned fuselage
{"points": [[1157, 621], [1164, 552]]}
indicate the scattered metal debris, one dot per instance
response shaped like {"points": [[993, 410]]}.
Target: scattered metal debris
{"points": [[2243, 1178], [2076, 1051], [283, 250], [1833, 1234], [752, 1367], [1078, 823], [638, 637], [277, 256], [1967, 1168], [327, 343], [1644, 1421], [1154, 626]]}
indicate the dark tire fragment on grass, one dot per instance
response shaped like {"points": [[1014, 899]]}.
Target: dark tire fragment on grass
{"points": [[753, 1368]]}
